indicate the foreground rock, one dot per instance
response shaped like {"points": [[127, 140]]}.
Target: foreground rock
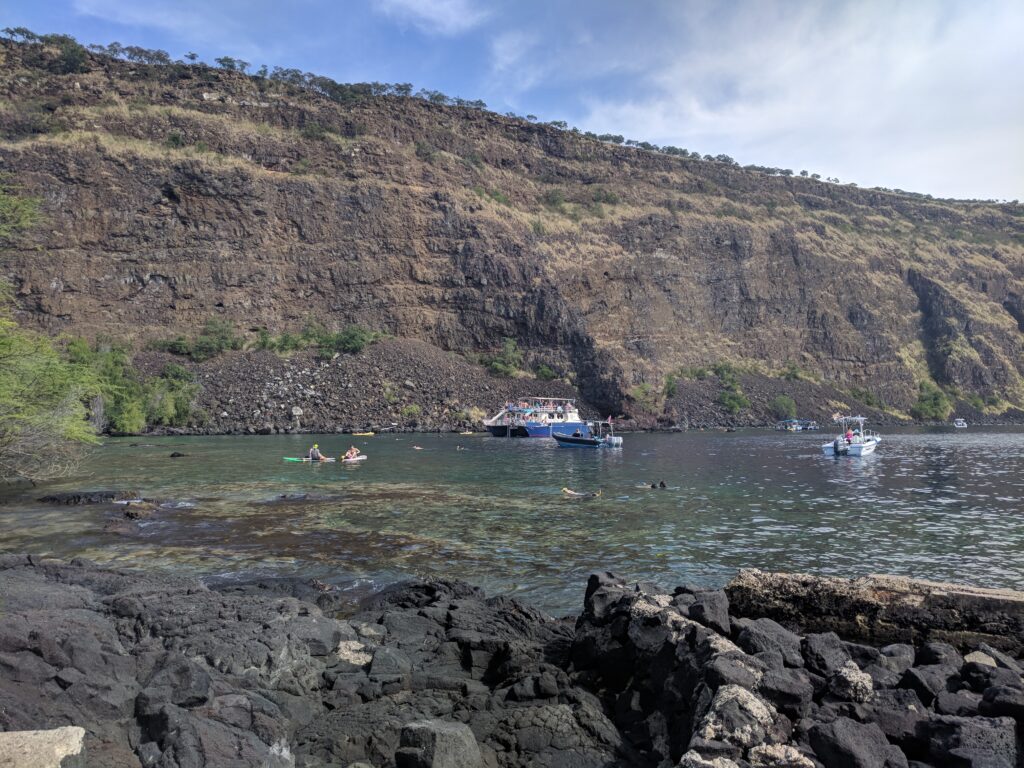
{"points": [[164, 671], [57, 748], [885, 608]]}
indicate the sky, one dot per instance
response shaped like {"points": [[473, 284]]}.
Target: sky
{"points": [[920, 95]]}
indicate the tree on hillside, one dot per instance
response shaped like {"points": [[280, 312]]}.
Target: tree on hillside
{"points": [[42, 416]]}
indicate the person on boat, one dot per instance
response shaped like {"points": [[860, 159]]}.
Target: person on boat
{"points": [[351, 453], [314, 453], [577, 433], [849, 435]]}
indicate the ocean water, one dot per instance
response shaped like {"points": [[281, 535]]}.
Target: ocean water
{"points": [[936, 504]]}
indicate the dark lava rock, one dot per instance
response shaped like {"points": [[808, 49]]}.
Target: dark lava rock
{"points": [[938, 653], [971, 741], [178, 455], [978, 677], [824, 653], [1004, 700], [437, 744], [757, 635], [960, 703], [711, 608], [929, 681], [845, 743], [899, 713], [88, 497]]}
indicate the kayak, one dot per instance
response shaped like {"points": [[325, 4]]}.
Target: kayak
{"points": [[354, 459], [294, 458], [362, 434]]}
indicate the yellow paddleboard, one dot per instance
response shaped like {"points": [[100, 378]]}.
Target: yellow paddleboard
{"points": [[362, 434]]}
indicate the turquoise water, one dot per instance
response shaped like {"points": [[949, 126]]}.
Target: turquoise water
{"points": [[939, 505]]}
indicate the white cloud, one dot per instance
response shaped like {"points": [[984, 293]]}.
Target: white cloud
{"points": [[443, 17], [922, 96]]}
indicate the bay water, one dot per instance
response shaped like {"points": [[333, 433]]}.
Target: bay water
{"points": [[935, 504]]}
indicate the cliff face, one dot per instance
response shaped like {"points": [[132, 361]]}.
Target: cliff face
{"points": [[175, 194]]}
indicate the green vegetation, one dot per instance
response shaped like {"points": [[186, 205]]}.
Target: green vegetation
{"points": [[508, 362], [867, 397], [410, 411], [545, 372], [793, 372], [783, 407], [554, 199], [694, 372], [124, 402], [932, 403], [217, 337], [17, 212], [671, 385], [731, 397], [42, 411], [732, 401], [727, 375], [645, 396], [425, 151], [492, 194]]}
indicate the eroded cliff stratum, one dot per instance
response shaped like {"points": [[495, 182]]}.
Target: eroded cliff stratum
{"points": [[174, 194]]}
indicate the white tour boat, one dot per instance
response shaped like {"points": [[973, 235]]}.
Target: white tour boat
{"points": [[960, 423], [854, 440]]}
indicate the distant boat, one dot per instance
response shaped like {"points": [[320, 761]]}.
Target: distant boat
{"points": [[537, 417], [602, 435], [960, 424], [852, 442], [797, 425]]}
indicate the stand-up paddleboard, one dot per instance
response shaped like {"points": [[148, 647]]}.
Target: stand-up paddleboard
{"points": [[354, 459], [295, 458], [581, 494], [362, 434]]}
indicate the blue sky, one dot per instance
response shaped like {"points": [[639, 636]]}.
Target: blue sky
{"points": [[923, 95]]}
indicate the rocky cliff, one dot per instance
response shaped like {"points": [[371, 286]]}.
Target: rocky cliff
{"points": [[173, 194]]}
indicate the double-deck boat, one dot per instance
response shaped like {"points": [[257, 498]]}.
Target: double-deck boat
{"points": [[854, 440], [538, 417]]}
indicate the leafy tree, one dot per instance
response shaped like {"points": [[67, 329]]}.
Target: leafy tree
{"points": [[932, 403], [508, 362], [42, 416], [783, 407], [191, 57], [545, 372], [733, 401]]}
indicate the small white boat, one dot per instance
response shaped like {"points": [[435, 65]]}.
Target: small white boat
{"points": [[854, 439], [959, 423]]}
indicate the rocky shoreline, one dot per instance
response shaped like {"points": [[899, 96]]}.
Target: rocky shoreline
{"points": [[164, 670], [403, 385]]}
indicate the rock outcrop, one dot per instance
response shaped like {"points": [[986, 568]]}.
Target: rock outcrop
{"points": [[885, 609], [162, 671]]}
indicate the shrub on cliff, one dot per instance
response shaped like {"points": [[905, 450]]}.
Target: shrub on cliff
{"points": [[932, 403], [732, 401], [783, 407], [508, 362], [17, 212], [217, 336]]}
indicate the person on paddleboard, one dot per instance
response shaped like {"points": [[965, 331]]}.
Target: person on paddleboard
{"points": [[351, 453], [314, 453]]}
